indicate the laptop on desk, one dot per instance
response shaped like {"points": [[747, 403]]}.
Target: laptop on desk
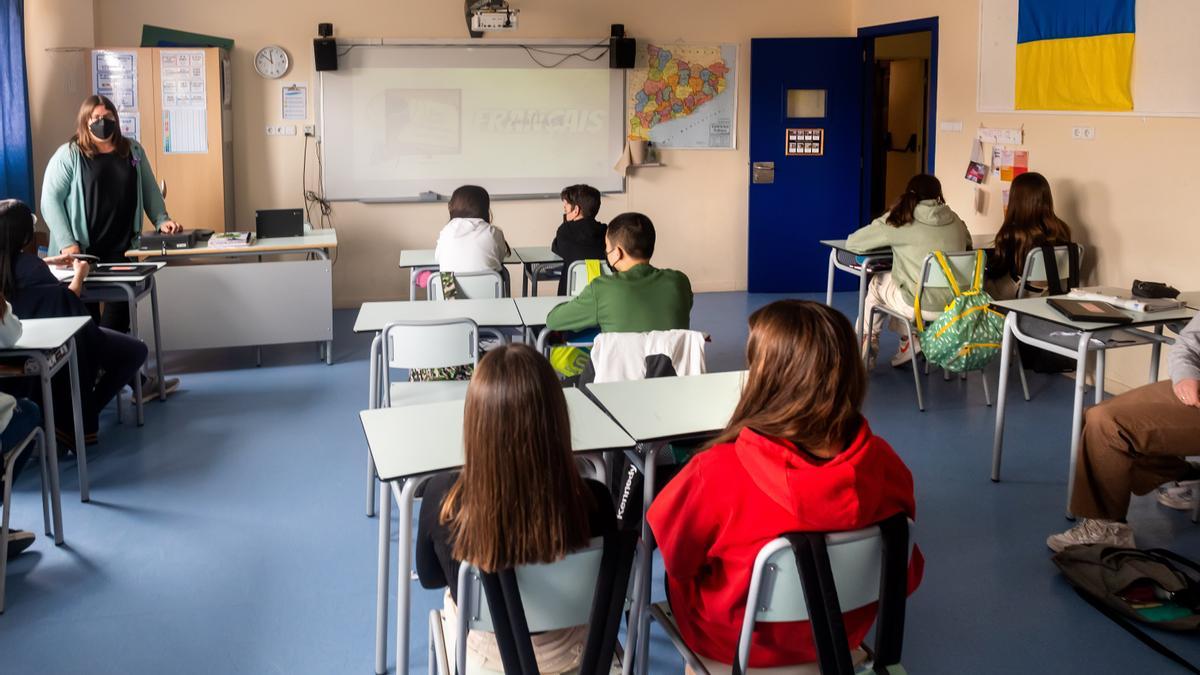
{"points": [[274, 223]]}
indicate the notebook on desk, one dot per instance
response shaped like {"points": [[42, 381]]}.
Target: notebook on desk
{"points": [[1089, 310]]}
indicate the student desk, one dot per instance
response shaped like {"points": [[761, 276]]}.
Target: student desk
{"points": [[251, 303], [1075, 340], [535, 260], [130, 289], [655, 412], [533, 312], [423, 259], [873, 262], [50, 344], [412, 444]]}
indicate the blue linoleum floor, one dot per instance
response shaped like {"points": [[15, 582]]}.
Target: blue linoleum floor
{"points": [[228, 534]]}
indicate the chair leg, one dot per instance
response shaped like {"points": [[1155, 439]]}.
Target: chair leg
{"points": [[987, 395], [8, 478], [40, 447], [916, 370], [1021, 371]]}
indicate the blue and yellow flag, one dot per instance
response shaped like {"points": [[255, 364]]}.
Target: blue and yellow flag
{"points": [[1074, 55]]}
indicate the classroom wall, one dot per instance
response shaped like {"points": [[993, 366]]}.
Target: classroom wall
{"points": [[56, 32], [697, 201], [1128, 194]]}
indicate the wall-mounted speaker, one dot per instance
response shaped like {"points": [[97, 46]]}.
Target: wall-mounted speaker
{"points": [[325, 53], [621, 50]]}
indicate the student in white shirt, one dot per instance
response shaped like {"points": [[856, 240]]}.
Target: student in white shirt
{"points": [[469, 243]]}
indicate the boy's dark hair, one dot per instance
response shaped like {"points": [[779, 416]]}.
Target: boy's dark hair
{"points": [[585, 197], [470, 201], [633, 232]]}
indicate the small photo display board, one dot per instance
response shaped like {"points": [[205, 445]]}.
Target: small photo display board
{"points": [[805, 142]]}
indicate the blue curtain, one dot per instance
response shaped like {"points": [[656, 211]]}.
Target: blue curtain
{"points": [[16, 144]]}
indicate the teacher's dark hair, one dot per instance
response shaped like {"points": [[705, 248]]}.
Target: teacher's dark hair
{"points": [[920, 188], [16, 233], [470, 201], [83, 136]]}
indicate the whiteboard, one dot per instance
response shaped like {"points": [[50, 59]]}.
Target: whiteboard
{"points": [[1165, 52], [399, 121]]}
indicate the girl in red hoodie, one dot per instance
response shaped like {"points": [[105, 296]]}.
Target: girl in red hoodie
{"points": [[797, 456]]}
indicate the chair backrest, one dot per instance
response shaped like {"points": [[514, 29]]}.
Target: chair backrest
{"points": [[442, 343], [961, 263], [1034, 269], [555, 595], [777, 593], [471, 285], [577, 275], [617, 357]]}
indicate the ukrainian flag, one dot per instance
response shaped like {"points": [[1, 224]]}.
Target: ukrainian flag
{"points": [[1074, 55]]}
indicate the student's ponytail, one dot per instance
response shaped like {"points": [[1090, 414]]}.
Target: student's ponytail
{"points": [[920, 187]]}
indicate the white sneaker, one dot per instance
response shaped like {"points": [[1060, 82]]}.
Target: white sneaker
{"points": [[1180, 496], [1091, 531], [906, 352]]}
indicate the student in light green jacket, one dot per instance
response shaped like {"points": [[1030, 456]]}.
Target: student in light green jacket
{"points": [[917, 225]]}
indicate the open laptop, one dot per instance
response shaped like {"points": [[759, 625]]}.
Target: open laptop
{"points": [[271, 223]]}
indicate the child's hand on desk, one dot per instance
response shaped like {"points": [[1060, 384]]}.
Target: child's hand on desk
{"points": [[81, 271]]}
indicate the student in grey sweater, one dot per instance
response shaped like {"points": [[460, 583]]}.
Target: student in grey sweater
{"points": [[1135, 443]]}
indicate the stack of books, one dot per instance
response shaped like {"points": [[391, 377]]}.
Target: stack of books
{"points": [[231, 240]]}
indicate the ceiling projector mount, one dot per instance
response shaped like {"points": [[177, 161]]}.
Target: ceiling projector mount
{"points": [[490, 15]]}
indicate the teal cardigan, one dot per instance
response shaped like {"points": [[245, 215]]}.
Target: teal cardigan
{"points": [[63, 207]]}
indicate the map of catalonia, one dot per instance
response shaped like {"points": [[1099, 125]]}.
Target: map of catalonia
{"points": [[674, 88]]}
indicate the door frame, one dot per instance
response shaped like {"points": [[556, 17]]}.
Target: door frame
{"points": [[867, 35]]}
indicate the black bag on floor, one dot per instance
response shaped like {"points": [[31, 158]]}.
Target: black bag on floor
{"points": [[1156, 587]]}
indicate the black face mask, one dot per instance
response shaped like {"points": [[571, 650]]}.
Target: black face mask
{"points": [[103, 128]]}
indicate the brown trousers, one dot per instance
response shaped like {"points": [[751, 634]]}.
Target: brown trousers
{"points": [[1132, 444]]}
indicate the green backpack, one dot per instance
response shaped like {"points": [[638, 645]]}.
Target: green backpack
{"points": [[967, 335]]}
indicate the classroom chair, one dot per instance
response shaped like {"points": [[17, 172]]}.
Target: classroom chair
{"points": [[815, 577], [577, 276], [38, 440], [586, 588], [471, 285], [1035, 272], [963, 266], [443, 343]]}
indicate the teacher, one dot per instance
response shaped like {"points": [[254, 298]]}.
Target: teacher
{"points": [[97, 187]]}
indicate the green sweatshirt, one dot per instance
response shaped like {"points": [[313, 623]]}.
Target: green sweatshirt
{"points": [[934, 228], [637, 300], [63, 207]]}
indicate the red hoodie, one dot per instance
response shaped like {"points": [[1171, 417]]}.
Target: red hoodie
{"points": [[711, 520]]}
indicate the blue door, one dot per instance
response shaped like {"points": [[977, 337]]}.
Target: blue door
{"points": [[806, 122]]}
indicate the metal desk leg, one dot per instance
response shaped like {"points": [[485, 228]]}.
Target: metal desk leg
{"points": [[860, 328], [381, 580], [829, 282], [525, 279], [1085, 338], [372, 403], [404, 569], [1099, 381], [329, 353], [641, 659], [1006, 349], [1155, 350], [131, 300], [77, 418], [51, 448], [158, 362]]}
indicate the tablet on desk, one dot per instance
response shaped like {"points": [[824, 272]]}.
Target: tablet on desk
{"points": [[1089, 310], [122, 269]]}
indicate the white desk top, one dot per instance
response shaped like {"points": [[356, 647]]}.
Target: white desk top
{"points": [[492, 312], [671, 407], [65, 274], [1038, 308], [536, 254], [977, 240], [424, 257], [48, 334], [317, 239], [534, 309], [423, 439]]}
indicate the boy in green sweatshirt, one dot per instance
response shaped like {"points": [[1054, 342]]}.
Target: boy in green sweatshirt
{"points": [[637, 297]]}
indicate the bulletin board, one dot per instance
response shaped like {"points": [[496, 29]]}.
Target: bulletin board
{"points": [[1165, 55]]}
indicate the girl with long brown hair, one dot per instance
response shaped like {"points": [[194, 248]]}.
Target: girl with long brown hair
{"points": [[918, 223], [797, 455], [518, 500], [1029, 222]]}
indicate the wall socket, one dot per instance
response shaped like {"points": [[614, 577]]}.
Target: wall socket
{"points": [[310, 130], [281, 130], [1083, 133]]}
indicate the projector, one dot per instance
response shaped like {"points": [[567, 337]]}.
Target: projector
{"points": [[493, 16]]}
